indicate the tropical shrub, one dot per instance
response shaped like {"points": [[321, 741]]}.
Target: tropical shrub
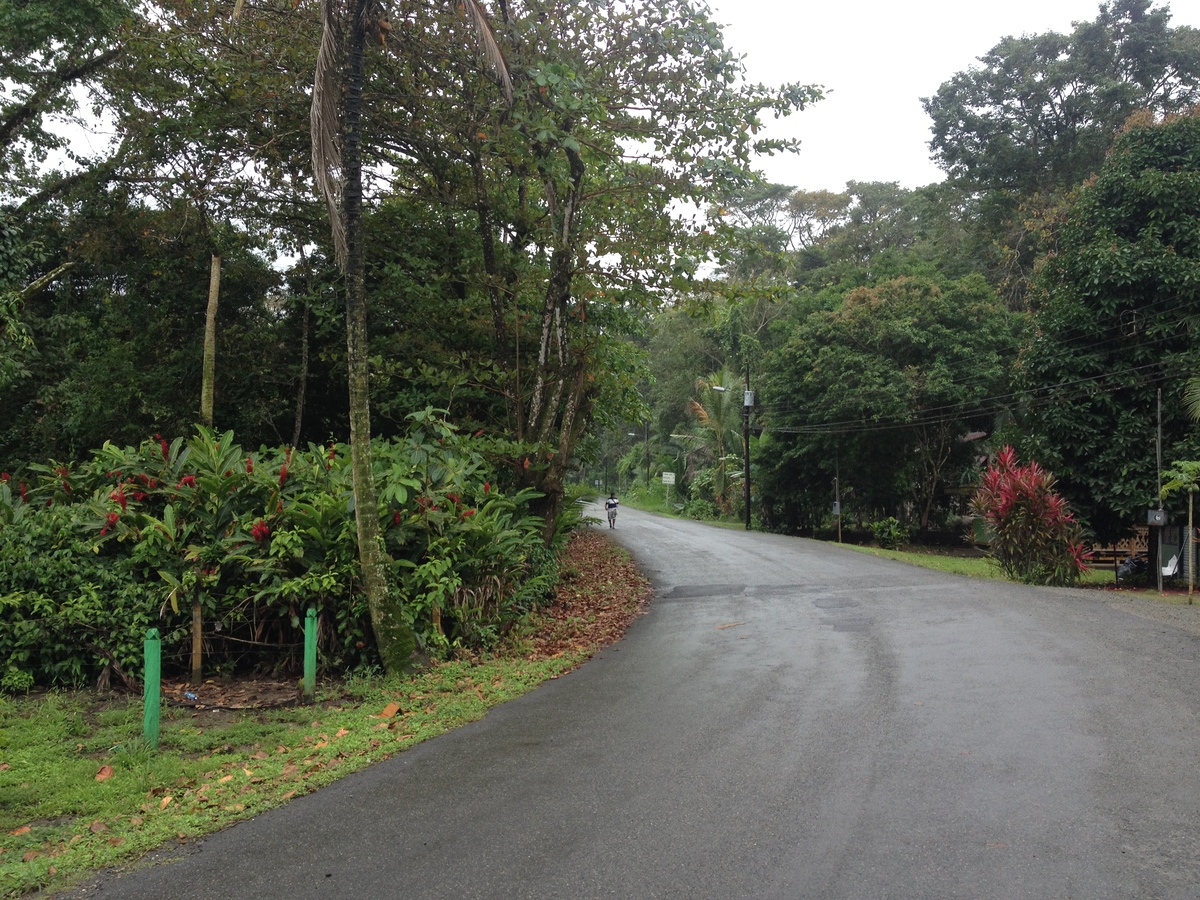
{"points": [[165, 534], [1034, 536], [889, 533]]}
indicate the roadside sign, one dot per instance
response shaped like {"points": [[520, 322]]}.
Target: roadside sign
{"points": [[668, 477]]}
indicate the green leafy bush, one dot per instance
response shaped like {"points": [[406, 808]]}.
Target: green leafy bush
{"points": [[889, 533], [140, 536]]}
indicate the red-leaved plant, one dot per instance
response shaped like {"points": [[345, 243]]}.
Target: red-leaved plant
{"points": [[1035, 537]]}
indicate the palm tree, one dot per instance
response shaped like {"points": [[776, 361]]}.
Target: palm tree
{"points": [[336, 121], [1185, 475], [718, 419]]}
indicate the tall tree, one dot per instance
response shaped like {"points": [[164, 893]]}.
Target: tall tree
{"points": [[911, 361], [1115, 306], [337, 137], [1040, 112], [51, 51], [1038, 115], [623, 115]]}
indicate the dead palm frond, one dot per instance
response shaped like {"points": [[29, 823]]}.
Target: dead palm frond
{"points": [[488, 45], [323, 120]]}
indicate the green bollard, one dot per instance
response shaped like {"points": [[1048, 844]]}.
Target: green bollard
{"points": [[152, 689], [310, 655]]}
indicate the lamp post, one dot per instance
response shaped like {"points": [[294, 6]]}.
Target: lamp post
{"points": [[747, 403]]}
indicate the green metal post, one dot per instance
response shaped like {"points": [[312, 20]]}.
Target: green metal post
{"points": [[152, 688], [310, 655]]}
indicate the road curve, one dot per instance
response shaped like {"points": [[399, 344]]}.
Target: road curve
{"points": [[789, 720]]}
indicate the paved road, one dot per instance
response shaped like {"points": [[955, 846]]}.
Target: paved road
{"points": [[790, 720]]}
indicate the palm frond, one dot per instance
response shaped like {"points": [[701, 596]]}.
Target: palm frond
{"points": [[323, 121], [1191, 397], [488, 44]]}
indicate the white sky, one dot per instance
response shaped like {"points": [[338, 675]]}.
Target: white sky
{"points": [[877, 59]]}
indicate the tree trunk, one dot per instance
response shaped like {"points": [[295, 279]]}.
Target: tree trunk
{"points": [[302, 381], [393, 636], [208, 379], [197, 639]]}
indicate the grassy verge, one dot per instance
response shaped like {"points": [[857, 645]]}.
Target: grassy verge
{"points": [[973, 567], [80, 791], [982, 567]]}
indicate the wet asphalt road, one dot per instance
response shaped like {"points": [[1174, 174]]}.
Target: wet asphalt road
{"points": [[790, 720]]}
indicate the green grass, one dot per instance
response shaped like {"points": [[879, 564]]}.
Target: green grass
{"points": [[982, 567], [973, 567], [63, 814]]}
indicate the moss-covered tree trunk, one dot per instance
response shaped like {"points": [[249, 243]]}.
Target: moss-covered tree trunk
{"points": [[393, 636]]}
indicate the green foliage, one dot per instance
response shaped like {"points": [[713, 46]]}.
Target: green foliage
{"points": [[1034, 536], [136, 535], [910, 361], [1113, 308], [67, 615], [1037, 117], [16, 681], [1182, 476], [889, 533], [1040, 112], [704, 510]]}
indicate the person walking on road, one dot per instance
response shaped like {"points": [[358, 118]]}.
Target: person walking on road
{"points": [[610, 506]]}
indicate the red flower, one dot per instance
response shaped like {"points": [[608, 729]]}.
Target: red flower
{"points": [[396, 518], [249, 465], [110, 521], [283, 474], [119, 496], [487, 486], [187, 481], [162, 443], [259, 531], [468, 513], [24, 498], [4, 476], [139, 496]]}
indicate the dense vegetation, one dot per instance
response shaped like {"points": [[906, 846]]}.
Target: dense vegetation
{"points": [[524, 249], [1042, 296]]}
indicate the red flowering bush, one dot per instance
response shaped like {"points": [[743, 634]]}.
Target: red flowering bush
{"points": [[1035, 537]]}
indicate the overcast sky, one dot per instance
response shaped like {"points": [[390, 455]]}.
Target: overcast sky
{"points": [[877, 59]]}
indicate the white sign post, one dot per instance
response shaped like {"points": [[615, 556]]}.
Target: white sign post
{"points": [[668, 480]]}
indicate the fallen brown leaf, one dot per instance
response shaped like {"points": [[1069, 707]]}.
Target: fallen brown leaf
{"points": [[105, 773]]}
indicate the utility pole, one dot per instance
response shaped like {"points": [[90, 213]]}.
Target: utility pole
{"points": [[1158, 563], [647, 457], [747, 403]]}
